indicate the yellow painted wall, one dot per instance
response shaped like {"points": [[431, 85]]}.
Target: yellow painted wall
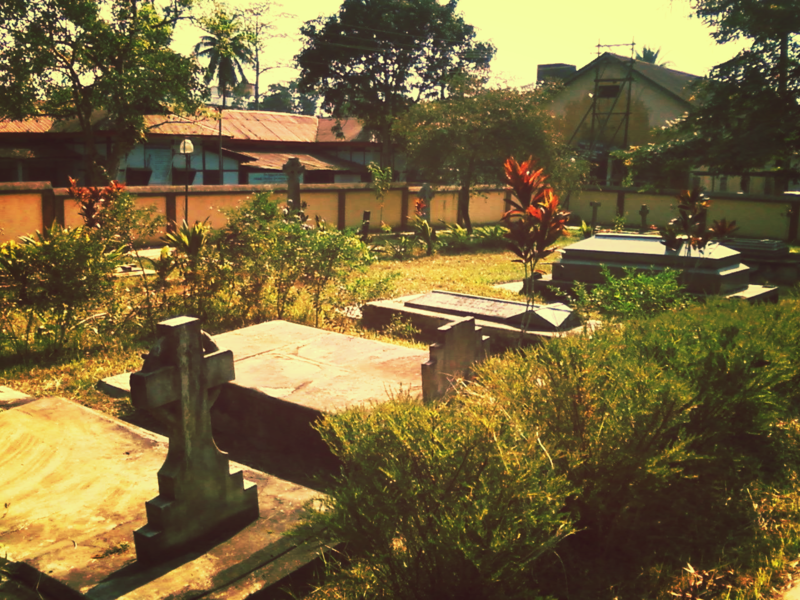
{"points": [[20, 215], [755, 220], [662, 209], [581, 207], [324, 204]]}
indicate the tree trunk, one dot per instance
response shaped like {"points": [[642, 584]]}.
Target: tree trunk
{"points": [[462, 213]]}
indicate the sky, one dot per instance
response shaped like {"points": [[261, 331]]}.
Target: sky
{"points": [[528, 33]]}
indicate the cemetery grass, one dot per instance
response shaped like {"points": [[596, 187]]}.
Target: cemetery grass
{"points": [[658, 459]]}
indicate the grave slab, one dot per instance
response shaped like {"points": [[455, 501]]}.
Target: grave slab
{"points": [[289, 375], [10, 398], [76, 483], [499, 319]]}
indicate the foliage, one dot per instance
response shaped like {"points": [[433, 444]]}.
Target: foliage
{"points": [[690, 225], [54, 280], [462, 139], [444, 501], [226, 46], [375, 58], [331, 254], [69, 59], [649, 55], [286, 99], [668, 441], [534, 222], [745, 114], [382, 178], [636, 294]]}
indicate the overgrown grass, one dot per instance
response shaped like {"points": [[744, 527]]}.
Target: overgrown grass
{"points": [[662, 460]]}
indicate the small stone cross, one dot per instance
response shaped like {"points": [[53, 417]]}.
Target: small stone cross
{"points": [[595, 206], [644, 212], [293, 170], [198, 496], [427, 194]]}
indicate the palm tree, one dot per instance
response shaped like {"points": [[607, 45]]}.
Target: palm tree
{"points": [[227, 48], [649, 55]]}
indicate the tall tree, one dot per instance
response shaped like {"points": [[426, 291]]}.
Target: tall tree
{"points": [[649, 55], [69, 59], [226, 46], [747, 114], [465, 139], [286, 99], [257, 23], [375, 58]]}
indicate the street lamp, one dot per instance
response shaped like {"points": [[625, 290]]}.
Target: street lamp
{"points": [[186, 149]]}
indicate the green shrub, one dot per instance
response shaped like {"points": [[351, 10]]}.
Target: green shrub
{"points": [[446, 501], [52, 284], [636, 294], [666, 441]]}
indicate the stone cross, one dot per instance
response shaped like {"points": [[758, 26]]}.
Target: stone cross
{"points": [[595, 206], [293, 170], [198, 496], [644, 212], [427, 194], [461, 344]]}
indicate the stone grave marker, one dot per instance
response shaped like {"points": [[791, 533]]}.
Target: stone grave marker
{"points": [[644, 211], [426, 194], [595, 206], [519, 314], [198, 495], [461, 344], [293, 169]]}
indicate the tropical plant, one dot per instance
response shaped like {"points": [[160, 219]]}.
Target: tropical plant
{"points": [[649, 55], [226, 46], [690, 226], [423, 229], [381, 183], [534, 222]]}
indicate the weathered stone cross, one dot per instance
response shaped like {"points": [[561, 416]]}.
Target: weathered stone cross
{"points": [[198, 495], [595, 206], [644, 212], [293, 170]]}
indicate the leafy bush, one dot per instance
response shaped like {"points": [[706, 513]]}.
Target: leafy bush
{"points": [[446, 501], [636, 294], [665, 441], [51, 286]]}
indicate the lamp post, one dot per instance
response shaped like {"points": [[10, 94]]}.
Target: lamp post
{"points": [[186, 149]]}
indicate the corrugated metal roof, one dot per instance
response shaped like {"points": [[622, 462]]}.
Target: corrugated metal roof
{"points": [[263, 126], [674, 82], [181, 126], [312, 162]]}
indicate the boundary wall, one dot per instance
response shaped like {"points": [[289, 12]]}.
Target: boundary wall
{"points": [[26, 207]]}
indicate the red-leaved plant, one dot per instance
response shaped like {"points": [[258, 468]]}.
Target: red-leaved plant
{"points": [[94, 201], [534, 221], [690, 225]]}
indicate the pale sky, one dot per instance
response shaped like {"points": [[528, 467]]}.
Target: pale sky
{"points": [[528, 33]]}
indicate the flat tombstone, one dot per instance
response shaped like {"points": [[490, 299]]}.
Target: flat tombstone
{"points": [[550, 317], [199, 497]]}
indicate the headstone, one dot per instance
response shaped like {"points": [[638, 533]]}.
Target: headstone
{"points": [[427, 194], [595, 206], [644, 212], [461, 344], [715, 269], [551, 317], [365, 225], [293, 170], [198, 495]]}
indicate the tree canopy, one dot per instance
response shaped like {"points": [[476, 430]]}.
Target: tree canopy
{"points": [[746, 116], [286, 99], [375, 58], [227, 47], [69, 59], [465, 139]]}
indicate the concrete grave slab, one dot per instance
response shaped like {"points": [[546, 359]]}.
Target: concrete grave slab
{"points": [[76, 482], [10, 398], [288, 375], [499, 319]]}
